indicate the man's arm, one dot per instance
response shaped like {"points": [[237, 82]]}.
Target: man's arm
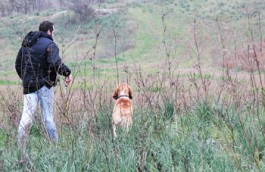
{"points": [[55, 60]]}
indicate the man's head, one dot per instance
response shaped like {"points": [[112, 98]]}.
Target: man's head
{"points": [[46, 26]]}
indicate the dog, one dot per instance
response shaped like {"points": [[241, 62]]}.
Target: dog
{"points": [[123, 108]]}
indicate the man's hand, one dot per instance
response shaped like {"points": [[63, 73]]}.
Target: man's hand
{"points": [[68, 79]]}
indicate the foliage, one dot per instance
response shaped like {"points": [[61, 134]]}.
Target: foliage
{"points": [[193, 109], [83, 12], [154, 143]]}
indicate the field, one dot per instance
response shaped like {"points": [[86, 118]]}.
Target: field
{"points": [[197, 74]]}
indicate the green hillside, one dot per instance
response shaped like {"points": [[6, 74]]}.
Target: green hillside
{"points": [[196, 69], [135, 33]]}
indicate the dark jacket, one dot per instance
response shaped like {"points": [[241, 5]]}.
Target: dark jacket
{"points": [[38, 62]]}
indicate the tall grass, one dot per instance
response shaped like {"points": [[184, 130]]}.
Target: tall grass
{"points": [[203, 122], [201, 140]]}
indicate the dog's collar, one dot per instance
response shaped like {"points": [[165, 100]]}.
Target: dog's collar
{"points": [[123, 96]]}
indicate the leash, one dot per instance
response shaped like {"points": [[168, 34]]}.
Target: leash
{"points": [[65, 88]]}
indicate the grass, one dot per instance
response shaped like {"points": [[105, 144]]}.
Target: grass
{"points": [[180, 123], [6, 82], [156, 142]]}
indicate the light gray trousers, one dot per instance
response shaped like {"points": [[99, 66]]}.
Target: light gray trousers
{"points": [[30, 102]]}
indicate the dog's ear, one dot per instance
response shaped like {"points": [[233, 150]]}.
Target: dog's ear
{"points": [[130, 92], [115, 94]]}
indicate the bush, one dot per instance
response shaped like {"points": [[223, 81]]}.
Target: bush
{"points": [[83, 12]]}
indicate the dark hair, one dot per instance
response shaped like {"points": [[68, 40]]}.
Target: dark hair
{"points": [[45, 26]]}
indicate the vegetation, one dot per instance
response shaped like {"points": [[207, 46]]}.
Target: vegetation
{"points": [[197, 74]]}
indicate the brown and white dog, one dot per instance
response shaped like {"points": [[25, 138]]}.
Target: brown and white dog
{"points": [[123, 108]]}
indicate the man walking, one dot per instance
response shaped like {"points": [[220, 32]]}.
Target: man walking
{"points": [[37, 64]]}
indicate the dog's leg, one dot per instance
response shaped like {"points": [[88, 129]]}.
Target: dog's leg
{"points": [[114, 130], [128, 124]]}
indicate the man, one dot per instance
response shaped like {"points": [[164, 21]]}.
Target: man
{"points": [[37, 64]]}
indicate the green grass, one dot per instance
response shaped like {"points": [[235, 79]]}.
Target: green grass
{"points": [[176, 127], [7, 82], [162, 141]]}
